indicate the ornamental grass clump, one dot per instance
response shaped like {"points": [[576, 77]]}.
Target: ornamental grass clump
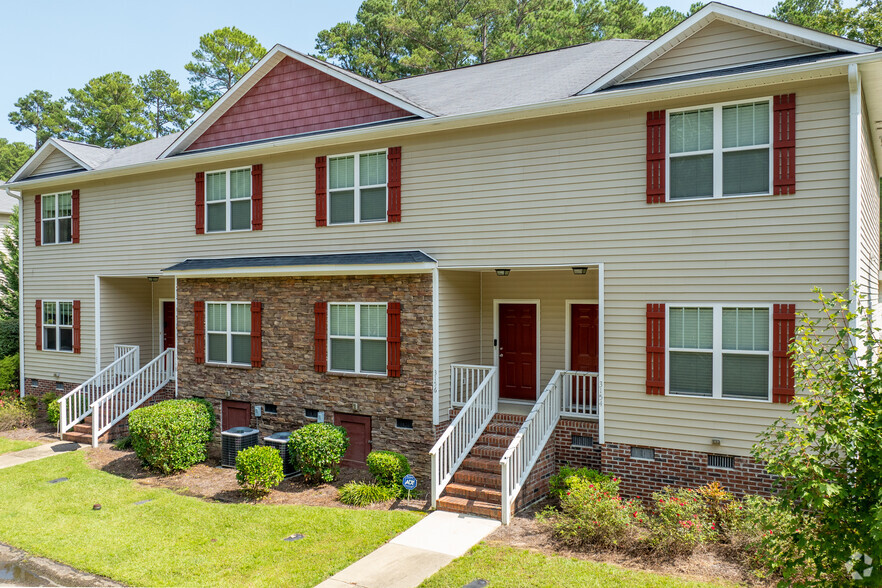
{"points": [[364, 493], [388, 469], [259, 469], [317, 450], [172, 435], [680, 522]]}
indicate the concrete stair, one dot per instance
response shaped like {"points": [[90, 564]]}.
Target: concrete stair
{"points": [[82, 433]]}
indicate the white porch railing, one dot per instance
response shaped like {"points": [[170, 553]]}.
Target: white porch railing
{"points": [[581, 395], [459, 438], [130, 394], [464, 381], [76, 404]]}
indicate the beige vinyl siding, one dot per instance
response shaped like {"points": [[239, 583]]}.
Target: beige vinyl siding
{"points": [[564, 191], [56, 162], [720, 45], [459, 327], [131, 314], [868, 230]]}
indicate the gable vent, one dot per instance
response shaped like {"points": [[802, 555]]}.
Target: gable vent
{"points": [[721, 461], [582, 441]]}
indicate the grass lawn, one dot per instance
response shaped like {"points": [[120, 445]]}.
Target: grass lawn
{"points": [[507, 567], [176, 540], [8, 445]]}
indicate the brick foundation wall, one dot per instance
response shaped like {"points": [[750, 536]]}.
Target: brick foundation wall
{"points": [[288, 379], [566, 453]]}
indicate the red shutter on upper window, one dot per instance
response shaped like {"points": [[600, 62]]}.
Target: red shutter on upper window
{"points": [[39, 325], [199, 331], [393, 182], [655, 349], [321, 337], [75, 216], [257, 197], [200, 203], [393, 339], [38, 228], [321, 191], [784, 144], [783, 331], [76, 326], [655, 157], [256, 334]]}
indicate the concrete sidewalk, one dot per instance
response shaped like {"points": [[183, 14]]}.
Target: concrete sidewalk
{"points": [[416, 554], [7, 460]]}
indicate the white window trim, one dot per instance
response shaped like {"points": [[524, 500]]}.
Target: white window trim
{"points": [[56, 218], [718, 149], [717, 352], [357, 338], [229, 200], [356, 188], [229, 332], [56, 326]]}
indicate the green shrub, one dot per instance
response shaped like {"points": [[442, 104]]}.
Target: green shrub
{"points": [[558, 483], [170, 436], [388, 468], [317, 450], [8, 337], [14, 414], [209, 407], [33, 403], [53, 408], [680, 522], [259, 469], [9, 372], [362, 494], [123, 443], [593, 514]]}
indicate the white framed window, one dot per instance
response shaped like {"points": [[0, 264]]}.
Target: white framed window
{"points": [[357, 188], [719, 351], [357, 337], [720, 150], [228, 200], [58, 325], [56, 218], [228, 332]]}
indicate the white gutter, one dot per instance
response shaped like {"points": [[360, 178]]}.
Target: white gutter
{"points": [[21, 361], [854, 201], [422, 267], [600, 100]]}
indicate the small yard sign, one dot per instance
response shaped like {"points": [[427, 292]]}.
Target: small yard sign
{"points": [[410, 482]]}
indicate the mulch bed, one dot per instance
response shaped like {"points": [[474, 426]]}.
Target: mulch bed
{"points": [[42, 432]]}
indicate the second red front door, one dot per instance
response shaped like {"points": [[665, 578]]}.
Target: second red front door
{"points": [[584, 338], [517, 351], [358, 428], [168, 325]]}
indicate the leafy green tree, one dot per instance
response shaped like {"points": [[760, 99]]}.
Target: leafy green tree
{"points": [[167, 108], [39, 113], [108, 111], [223, 57], [12, 157], [826, 454], [9, 268], [862, 22]]}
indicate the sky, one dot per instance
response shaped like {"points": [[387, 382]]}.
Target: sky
{"points": [[65, 43]]}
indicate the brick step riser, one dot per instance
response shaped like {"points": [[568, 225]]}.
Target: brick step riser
{"points": [[482, 479], [488, 452], [474, 493], [505, 430], [460, 505], [480, 464], [494, 440]]}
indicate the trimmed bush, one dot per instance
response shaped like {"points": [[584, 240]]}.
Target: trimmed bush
{"points": [[388, 468], [53, 408], [362, 494], [170, 436], [317, 450], [680, 523], [14, 413], [559, 483], [9, 372], [259, 469], [209, 408]]}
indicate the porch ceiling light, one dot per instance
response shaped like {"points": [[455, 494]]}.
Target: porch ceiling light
{"points": [[580, 271], [503, 272], [152, 278]]}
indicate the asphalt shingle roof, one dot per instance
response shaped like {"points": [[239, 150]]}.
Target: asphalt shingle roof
{"points": [[383, 257]]}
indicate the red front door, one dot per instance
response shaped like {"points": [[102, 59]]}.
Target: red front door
{"points": [[359, 430], [168, 325], [584, 338], [235, 414], [517, 351]]}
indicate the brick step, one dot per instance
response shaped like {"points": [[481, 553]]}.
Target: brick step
{"points": [[84, 438], [475, 507], [82, 428], [482, 479], [482, 464], [488, 451], [495, 440], [507, 429], [471, 492]]}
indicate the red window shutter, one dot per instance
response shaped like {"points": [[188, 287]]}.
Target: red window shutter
{"points": [[39, 325], [257, 198], [199, 331], [321, 337], [393, 339], [655, 349], [784, 144], [38, 228], [256, 334], [76, 326], [783, 331], [655, 157], [321, 192], [200, 203], [393, 183], [75, 217]]}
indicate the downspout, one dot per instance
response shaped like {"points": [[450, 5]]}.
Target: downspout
{"points": [[21, 364], [854, 125]]}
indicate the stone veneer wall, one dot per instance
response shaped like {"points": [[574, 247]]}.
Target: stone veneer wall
{"points": [[288, 378]]}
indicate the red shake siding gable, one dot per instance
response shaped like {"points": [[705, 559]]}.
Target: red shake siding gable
{"points": [[295, 98]]}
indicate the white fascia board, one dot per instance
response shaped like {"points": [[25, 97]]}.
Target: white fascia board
{"points": [[307, 270], [716, 11], [255, 74], [40, 156]]}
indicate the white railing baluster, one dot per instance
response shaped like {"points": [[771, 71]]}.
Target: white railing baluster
{"points": [[465, 381]]}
